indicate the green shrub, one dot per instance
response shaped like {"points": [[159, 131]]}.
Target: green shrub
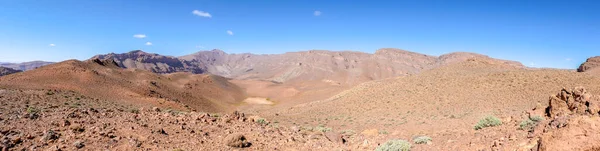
{"points": [[261, 121], [530, 123], [32, 110], [322, 128], [135, 111], [537, 118], [489, 121], [394, 145], [422, 140]]}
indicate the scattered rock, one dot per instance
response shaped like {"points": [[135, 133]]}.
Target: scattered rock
{"points": [[49, 135], [78, 144], [237, 140]]}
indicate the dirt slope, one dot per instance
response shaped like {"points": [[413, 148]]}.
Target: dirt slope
{"points": [[105, 80], [443, 103]]}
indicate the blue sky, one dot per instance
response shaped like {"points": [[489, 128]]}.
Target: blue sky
{"points": [[539, 33]]}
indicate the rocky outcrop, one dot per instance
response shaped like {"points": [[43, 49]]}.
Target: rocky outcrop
{"points": [[6, 71], [576, 101], [571, 119], [589, 64], [151, 62]]}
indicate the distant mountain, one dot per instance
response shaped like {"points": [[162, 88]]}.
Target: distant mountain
{"points": [[345, 67], [7, 71], [151, 62], [341, 67], [24, 66]]}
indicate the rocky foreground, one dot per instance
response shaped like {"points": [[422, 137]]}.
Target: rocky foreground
{"points": [[51, 120], [59, 120]]}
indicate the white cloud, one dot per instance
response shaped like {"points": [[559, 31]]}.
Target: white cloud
{"points": [[317, 13], [51, 45], [201, 13], [200, 47], [532, 64], [229, 32], [139, 36], [148, 44], [568, 59]]}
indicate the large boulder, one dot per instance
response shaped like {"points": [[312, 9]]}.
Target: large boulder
{"points": [[590, 64]]}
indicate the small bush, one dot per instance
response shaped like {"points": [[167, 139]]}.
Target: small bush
{"points": [[537, 118], [394, 145], [422, 140], [32, 110], [348, 132], [322, 128], [135, 111], [489, 121], [530, 123], [261, 121]]}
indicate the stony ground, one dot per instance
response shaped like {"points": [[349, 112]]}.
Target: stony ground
{"points": [[53, 120]]}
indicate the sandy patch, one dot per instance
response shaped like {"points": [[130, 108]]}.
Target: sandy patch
{"points": [[258, 100]]}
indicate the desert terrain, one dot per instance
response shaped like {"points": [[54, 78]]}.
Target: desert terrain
{"points": [[308, 100]]}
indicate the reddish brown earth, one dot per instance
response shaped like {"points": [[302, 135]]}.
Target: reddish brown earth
{"points": [[313, 100], [105, 80]]}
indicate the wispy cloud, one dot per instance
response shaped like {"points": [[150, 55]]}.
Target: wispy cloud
{"points": [[532, 64], [201, 13], [317, 13], [148, 44], [51, 45], [139, 36], [200, 47], [229, 32], [568, 59]]}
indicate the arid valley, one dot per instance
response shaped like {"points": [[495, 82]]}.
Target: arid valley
{"points": [[315, 100]]}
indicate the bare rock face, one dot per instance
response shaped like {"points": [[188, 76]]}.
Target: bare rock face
{"points": [[151, 62], [589, 64], [6, 71]]}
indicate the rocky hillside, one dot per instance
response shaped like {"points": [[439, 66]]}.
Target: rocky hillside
{"points": [[591, 64], [25, 65], [443, 103], [63, 120], [105, 80], [7, 71], [151, 62]]}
